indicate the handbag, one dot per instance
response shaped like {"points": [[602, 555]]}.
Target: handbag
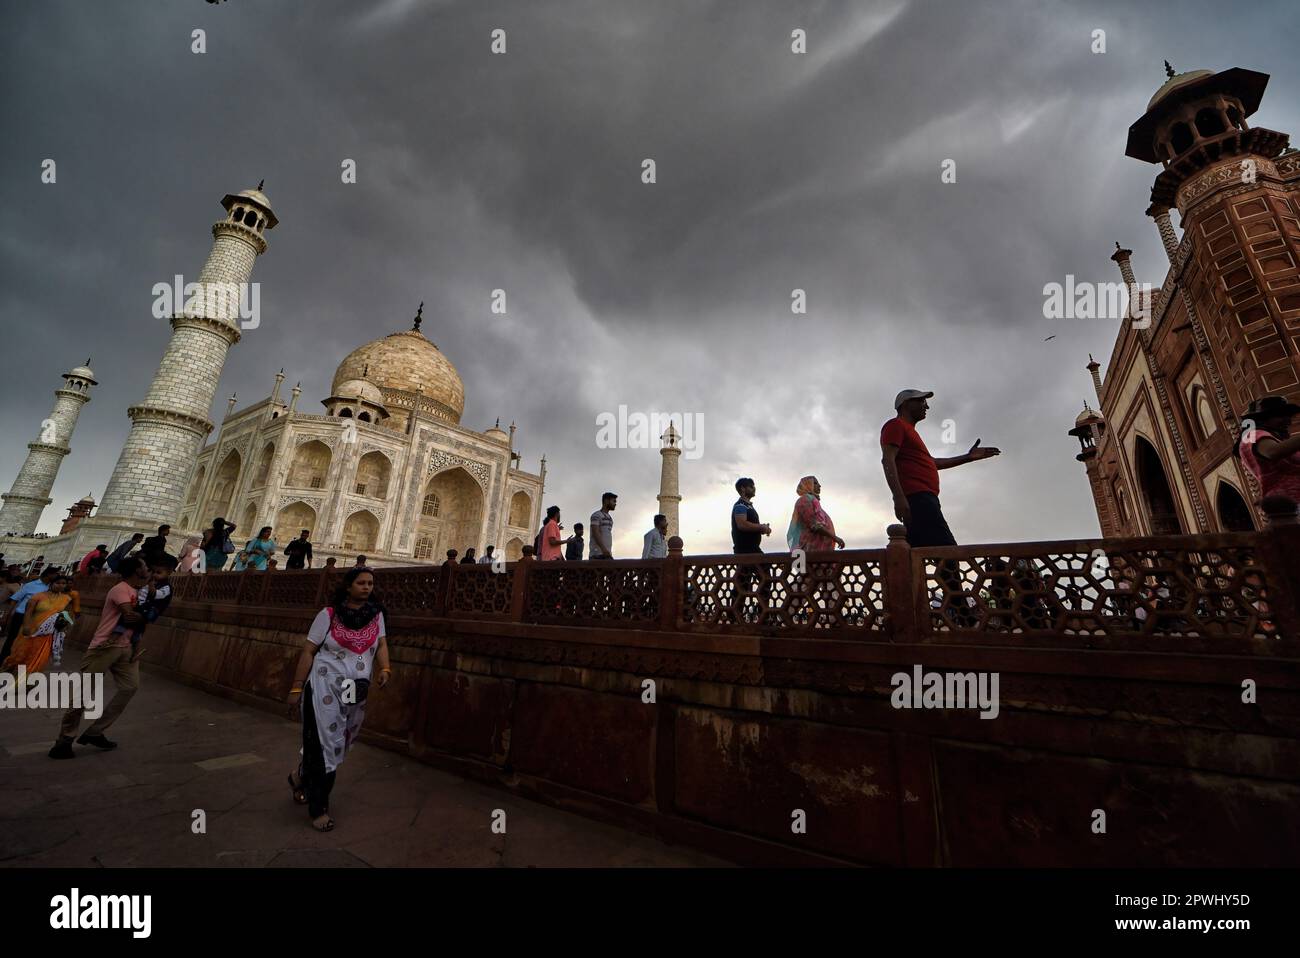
{"points": [[227, 546]]}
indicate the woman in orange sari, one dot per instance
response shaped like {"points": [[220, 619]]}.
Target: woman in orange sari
{"points": [[49, 616]]}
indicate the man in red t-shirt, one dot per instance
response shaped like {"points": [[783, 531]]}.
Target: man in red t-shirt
{"points": [[109, 652], [913, 474]]}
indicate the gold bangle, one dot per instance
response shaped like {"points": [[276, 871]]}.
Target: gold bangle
{"points": [[291, 691], [385, 670]]}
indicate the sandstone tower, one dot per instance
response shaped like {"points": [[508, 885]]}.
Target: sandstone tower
{"points": [[669, 490], [24, 503], [1235, 193], [168, 428], [1222, 330], [78, 511]]}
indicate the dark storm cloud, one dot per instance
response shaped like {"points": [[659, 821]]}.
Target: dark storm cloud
{"points": [[522, 172]]}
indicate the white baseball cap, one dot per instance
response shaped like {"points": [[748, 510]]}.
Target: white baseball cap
{"points": [[907, 394]]}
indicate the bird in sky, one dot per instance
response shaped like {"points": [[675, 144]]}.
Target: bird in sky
{"points": [[1053, 336]]}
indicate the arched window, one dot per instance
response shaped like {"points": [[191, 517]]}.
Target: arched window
{"points": [[430, 507], [521, 510], [223, 489], [1209, 122], [1162, 513], [345, 413], [1121, 500], [1204, 414], [360, 532], [291, 520], [373, 474], [311, 464], [250, 218], [264, 467], [424, 547], [1234, 514], [1181, 138], [197, 485], [364, 417]]}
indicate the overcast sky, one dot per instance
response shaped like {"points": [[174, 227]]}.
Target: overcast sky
{"points": [[522, 171]]}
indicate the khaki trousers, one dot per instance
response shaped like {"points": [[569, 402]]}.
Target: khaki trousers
{"points": [[126, 676]]}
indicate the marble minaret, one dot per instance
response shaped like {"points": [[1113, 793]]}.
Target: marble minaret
{"points": [[30, 494], [169, 427], [669, 491]]}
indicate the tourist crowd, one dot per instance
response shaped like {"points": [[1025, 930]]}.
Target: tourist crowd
{"points": [[346, 649]]}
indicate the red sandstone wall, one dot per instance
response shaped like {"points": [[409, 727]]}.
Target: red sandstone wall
{"points": [[747, 729]]}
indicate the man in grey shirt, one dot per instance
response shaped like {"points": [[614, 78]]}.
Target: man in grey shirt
{"points": [[656, 540], [601, 526]]}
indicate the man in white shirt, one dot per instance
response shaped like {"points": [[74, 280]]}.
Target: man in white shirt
{"points": [[656, 540], [601, 526], [486, 557]]}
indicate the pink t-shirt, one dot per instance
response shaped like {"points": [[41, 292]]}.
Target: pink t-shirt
{"points": [[551, 531], [1277, 477], [122, 592]]}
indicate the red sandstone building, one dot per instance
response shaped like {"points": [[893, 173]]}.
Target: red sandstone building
{"points": [[1224, 327]]}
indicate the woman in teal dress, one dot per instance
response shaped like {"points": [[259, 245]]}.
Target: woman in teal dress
{"points": [[256, 552]]}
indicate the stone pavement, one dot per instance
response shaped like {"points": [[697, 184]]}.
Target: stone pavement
{"points": [[181, 749]]}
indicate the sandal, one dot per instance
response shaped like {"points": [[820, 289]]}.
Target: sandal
{"points": [[299, 796], [327, 827]]}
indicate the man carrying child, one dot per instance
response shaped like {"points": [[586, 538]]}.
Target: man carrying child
{"points": [[109, 651]]}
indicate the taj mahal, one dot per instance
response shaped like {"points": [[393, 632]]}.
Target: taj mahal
{"points": [[387, 471]]}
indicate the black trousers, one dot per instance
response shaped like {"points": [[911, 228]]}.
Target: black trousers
{"points": [[11, 632], [927, 527], [746, 586], [316, 782]]}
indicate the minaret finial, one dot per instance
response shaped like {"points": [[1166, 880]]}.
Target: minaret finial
{"points": [[1169, 71], [260, 184], [419, 317], [498, 425]]}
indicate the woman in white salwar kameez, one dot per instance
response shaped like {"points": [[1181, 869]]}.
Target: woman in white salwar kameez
{"points": [[345, 650]]}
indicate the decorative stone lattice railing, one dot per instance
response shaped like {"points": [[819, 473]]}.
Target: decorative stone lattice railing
{"points": [[1175, 592]]}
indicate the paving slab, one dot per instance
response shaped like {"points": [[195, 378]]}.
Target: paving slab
{"points": [[182, 751]]}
